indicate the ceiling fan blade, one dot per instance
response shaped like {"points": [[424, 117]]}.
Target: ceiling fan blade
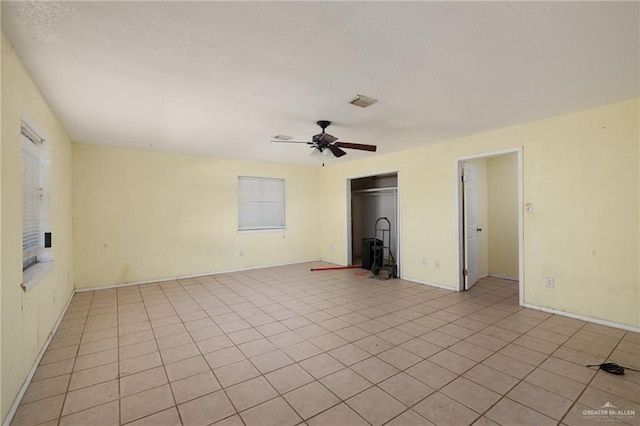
{"points": [[337, 151], [360, 146], [283, 141]]}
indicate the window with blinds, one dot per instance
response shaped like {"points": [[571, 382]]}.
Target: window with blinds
{"points": [[32, 194], [260, 203]]}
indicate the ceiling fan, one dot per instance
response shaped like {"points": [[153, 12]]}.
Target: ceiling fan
{"points": [[323, 141]]}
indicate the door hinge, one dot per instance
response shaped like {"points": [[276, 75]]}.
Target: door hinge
{"points": [[464, 178], [465, 272]]}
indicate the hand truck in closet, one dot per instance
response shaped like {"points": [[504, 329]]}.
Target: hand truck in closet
{"points": [[382, 248]]}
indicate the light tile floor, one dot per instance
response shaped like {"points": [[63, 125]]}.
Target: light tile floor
{"points": [[284, 346]]}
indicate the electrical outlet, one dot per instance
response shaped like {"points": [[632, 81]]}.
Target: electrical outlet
{"points": [[241, 253], [331, 247], [424, 262], [549, 282], [436, 264]]}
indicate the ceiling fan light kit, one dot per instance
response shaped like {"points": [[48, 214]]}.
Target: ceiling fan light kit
{"points": [[323, 141]]}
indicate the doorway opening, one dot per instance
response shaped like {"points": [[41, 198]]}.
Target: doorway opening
{"points": [[370, 198], [490, 218]]}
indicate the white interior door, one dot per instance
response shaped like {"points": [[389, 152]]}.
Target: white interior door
{"points": [[470, 202]]}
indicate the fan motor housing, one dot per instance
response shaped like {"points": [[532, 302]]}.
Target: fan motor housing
{"points": [[323, 123]]}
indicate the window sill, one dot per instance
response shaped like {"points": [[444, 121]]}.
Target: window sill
{"points": [[35, 273], [261, 231]]}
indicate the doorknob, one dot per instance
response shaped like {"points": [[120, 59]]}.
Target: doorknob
{"points": [[479, 229]]}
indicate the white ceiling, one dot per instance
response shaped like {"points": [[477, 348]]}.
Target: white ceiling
{"points": [[222, 78]]}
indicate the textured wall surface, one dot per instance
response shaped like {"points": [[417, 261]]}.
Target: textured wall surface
{"points": [[28, 317]]}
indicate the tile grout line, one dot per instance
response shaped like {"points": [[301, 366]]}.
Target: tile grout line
{"points": [[477, 363], [371, 356], [376, 385], [164, 366], [535, 368], [410, 408], [332, 293], [523, 379], [75, 358], [210, 369], [263, 375], [593, 377]]}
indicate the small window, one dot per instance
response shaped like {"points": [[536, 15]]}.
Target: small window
{"points": [[35, 201], [260, 203]]}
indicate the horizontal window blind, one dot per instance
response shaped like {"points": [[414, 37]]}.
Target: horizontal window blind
{"points": [[32, 233], [260, 203]]}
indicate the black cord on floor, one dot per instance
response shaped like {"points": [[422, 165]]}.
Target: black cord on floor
{"points": [[612, 368]]}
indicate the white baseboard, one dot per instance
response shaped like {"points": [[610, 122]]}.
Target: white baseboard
{"points": [[34, 367], [582, 317], [184, 277], [503, 277], [417, 281], [545, 309]]}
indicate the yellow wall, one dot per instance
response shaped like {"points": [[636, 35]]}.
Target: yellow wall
{"points": [[580, 174], [28, 318], [144, 215], [502, 183]]}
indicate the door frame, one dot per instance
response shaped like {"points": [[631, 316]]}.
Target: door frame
{"points": [[349, 231], [460, 209]]}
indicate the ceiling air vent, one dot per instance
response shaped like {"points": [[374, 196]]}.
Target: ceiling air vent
{"points": [[283, 137], [362, 101]]}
